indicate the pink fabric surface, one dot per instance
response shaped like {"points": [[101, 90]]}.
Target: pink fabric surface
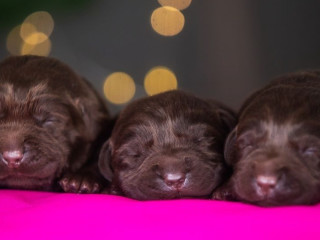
{"points": [[40, 215]]}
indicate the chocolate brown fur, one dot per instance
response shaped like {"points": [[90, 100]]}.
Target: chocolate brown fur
{"points": [[50, 122], [275, 148], [167, 146]]}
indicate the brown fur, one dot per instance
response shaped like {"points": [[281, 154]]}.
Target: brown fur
{"points": [[167, 146], [275, 148], [52, 118]]}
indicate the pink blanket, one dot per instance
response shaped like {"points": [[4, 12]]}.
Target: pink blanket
{"points": [[39, 215]]}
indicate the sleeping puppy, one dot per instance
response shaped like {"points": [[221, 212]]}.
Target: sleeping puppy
{"points": [[275, 148], [167, 146], [50, 123]]}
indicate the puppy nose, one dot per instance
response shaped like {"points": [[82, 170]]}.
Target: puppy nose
{"points": [[266, 182], [12, 158], [174, 180]]}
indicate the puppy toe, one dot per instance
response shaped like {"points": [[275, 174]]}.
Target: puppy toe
{"points": [[85, 188], [89, 185], [64, 183], [217, 196], [74, 185], [70, 184], [223, 194], [81, 183], [96, 188]]}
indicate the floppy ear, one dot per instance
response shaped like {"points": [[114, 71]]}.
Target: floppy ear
{"points": [[91, 113], [228, 117], [230, 148], [105, 161]]}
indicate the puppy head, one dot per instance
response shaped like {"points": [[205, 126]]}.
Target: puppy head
{"points": [[275, 164], [166, 146], [38, 127], [274, 150]]}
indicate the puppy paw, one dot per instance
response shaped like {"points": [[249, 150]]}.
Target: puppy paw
{"points": [[220, 195], [223, 193], [112, 190], [76, 183]]}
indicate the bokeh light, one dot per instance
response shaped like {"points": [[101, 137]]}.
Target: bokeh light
{"points": [[32, 36], [14, 41], [119, 88], [42, 49], [167, 21], [160, 79], [40, 23], [29, 34], [178, 4]]}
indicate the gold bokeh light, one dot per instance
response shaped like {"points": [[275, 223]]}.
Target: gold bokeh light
{"points": [[14, 41], [119, 88], [167, 21], [40, 23], [178, 4], [32, 36], [160, 79], [41, 49]]}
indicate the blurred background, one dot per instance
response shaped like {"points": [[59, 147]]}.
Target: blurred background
{"points": [[128, 49]]}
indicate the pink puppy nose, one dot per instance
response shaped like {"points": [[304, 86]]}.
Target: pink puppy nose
{"points": [[266, 183], [12, 158], [175, 180]]}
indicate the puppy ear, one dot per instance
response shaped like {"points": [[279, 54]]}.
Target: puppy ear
{"points": [[105, 161], [90, 113], [228, 117], [85, 116], [230, 148]]}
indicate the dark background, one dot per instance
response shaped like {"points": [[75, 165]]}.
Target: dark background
{"points": [[226, 50]]}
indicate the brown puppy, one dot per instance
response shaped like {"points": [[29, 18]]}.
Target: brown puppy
{"points": [[275, 148], [50, 121], [167, 146]]}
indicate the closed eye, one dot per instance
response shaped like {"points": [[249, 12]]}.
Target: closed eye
{"points": [[39, 118], [130, 153], [204, 140], [134, 155], [49, 122], [44, 119], [308, 146], [248, 142], [128, 160], [311, 152]]}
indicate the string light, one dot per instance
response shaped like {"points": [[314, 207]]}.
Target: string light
{"points": [[119, 88], [32, 36], [14, 41], [37, 22], [42, 49], [29, 34], [178, 4], [160, 79], [167, 21]]}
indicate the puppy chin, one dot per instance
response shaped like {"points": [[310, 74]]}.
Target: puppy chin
{"points": [[160, 191], [284, 195], [28, 183], [36, 176], [159, 194], [280, 200]]}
